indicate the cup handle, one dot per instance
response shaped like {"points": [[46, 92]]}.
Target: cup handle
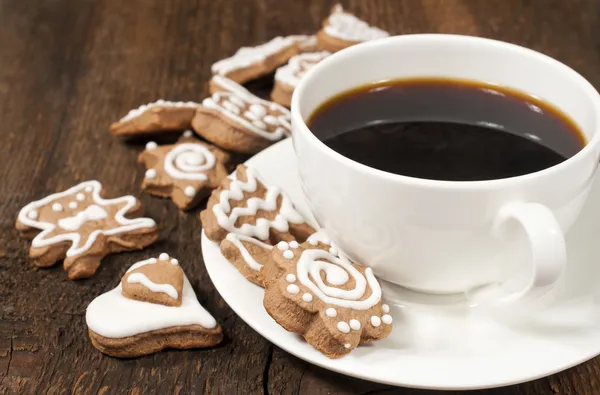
{"points": [[547, 243]]}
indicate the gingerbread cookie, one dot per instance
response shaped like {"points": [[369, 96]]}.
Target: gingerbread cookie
{"points": [[252, 62], [155, 117], [341, 30], [287, 77], [247, 254], [236, 120], [334, 304], [247, 206], [153, 308], [185, 171], [81, 227]]}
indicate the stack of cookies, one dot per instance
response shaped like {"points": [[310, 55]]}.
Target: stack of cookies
{"points": [[310, 287]]}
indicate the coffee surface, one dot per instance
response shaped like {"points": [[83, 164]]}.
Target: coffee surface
{"points": [[445, 129]]}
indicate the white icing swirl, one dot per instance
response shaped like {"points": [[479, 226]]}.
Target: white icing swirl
{"points": [[189, 161]]}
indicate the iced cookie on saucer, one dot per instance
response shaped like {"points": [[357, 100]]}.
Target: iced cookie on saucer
{"points": [[236, 120], [287, 77], [249, 63], [185, 171], [80, 227], [247, 254], [160, 116], [333, 303], [245, 205], [342, 29], [153, 308]]}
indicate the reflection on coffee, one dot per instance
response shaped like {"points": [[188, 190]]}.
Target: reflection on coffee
{"points": [[445, 129]]}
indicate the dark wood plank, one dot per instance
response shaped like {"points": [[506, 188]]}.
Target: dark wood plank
{"points": [[70, 67]]}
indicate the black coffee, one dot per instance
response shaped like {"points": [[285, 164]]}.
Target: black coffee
{"points": [[446, 129]]}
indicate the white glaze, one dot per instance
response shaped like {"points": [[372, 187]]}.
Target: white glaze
{"points": [[348, 27], [290, 278], [288, 254], [232, 102], [282, 246], [331, 312], [227, 217], [57, 207], [249, 56], [73, 205], [387, 319], [124, 224], [189, 161], [151, 174], [293, 289], [355, 324], [307, 297], [385, 308], [115, 316], [343, 327], [237, 240], [375, 321], [189, 191], [163, 256], [159, 103], [151, 145], [91, 213], [294, 244], [291, 73], [141, 278]]}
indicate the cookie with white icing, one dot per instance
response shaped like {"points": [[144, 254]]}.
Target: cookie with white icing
{"points": [[185, 171], [236, 120], [249, 63], [244, 204], [287, 77], [159, 116], [81, 227], [342, 29], [154, 307], [247, 254], [333, 303]]}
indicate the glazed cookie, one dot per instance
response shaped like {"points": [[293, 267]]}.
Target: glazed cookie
{"points": [[287, 77], [334, 304], [247, 206], [155, 117], [153, 308], [341, 30], [247, 254], [252, 62], [236, 120], [81, 227], [185, 171]]}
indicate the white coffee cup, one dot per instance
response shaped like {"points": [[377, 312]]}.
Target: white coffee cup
{"points": [[444, 236]]}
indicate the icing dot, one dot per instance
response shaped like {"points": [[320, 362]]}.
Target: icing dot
{"points": [[347, 345], [387, 319], [151, 174], [57, 207], [164, 256], [73, 205], [174, 261], [282, 245], [375, 321], [259, 124], [313, 241], [88, 188], [355, 324], [258, 110], [32, 214], [288, 254], [307, 297], [187, 133], [152, 260], [385, 308], [294, 244], [80, 197], [189, 191], [330, 312], [270, 120], [293, 289], [343, 327], [290, 278], [151, 145]]}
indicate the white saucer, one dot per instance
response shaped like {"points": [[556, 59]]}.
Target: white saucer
{"points": [[443, 345]]}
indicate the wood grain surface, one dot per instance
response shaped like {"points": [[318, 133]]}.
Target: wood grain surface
{"points": [[70, 67]]}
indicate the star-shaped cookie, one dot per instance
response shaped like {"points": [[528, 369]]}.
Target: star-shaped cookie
{"points": [[81, 227], [185, 171]]}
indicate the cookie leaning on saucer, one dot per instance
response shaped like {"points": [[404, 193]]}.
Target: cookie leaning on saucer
{"points": [[247, 254], [153, 308], [333, 303]]}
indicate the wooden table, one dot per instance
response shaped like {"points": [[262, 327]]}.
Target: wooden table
{"points": [[70, 67]]}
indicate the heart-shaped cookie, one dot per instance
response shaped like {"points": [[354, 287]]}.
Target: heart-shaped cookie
{"points": [[160, 282], [132, 319]]}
